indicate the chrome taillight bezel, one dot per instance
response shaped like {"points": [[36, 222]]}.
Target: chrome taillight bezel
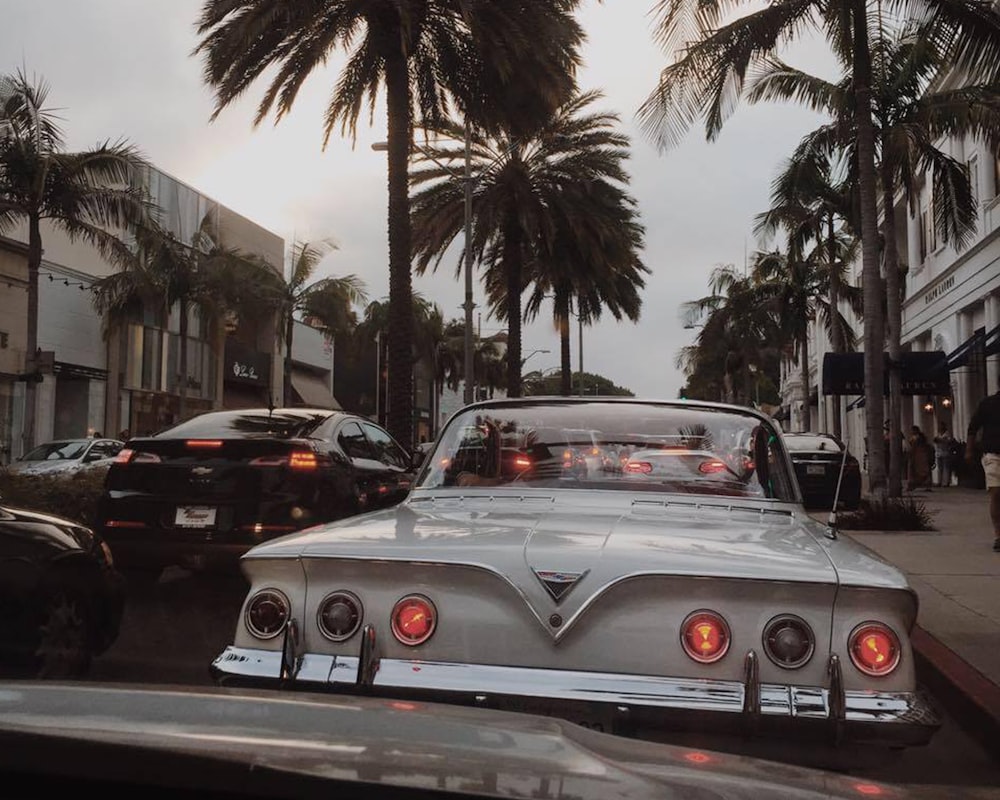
{"points": [[771, 629], [281, 599], [856, 633], [341, 595]]}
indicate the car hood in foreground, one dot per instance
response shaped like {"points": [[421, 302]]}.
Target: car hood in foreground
{"points": [[283, 745], [610, 533]]}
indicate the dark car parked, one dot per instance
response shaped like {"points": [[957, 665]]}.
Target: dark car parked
{"points": [[817, 458], [62, 596], [206, 490]]}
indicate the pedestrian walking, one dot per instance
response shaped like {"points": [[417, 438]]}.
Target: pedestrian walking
{"points": [[943, 443], [985, 424], [921, 456]]}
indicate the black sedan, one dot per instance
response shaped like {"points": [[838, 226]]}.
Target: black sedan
{"points": [[206, 490], [62, 596], [817, 458]]}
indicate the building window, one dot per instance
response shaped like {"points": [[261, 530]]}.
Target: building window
{"points": [[923, 234], [972, 170], [996, 174]]}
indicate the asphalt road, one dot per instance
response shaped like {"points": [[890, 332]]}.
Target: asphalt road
{"points": [[173, 630]]}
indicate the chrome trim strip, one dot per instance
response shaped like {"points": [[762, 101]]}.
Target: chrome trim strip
{"points": [[368, 662], [483, 683]]}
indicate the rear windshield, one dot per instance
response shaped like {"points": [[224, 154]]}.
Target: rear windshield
{"points": [[621, 445], [245, 425], [812, 444]]}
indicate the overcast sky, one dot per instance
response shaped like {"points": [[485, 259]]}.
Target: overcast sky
{"points": [[123, 68]]}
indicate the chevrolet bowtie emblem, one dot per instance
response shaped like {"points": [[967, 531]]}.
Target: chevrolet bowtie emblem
{"points": [[558, 583], [201, 471]]}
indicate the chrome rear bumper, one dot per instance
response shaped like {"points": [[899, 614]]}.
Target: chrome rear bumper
{"points": [[622, 703]]}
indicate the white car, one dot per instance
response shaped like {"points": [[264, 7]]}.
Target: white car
{"points": [[67, 455]]}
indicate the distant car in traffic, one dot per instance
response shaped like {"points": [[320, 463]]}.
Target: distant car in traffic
{"points": [[62, 596], [67, 455], [817, 459], [206, 490]]}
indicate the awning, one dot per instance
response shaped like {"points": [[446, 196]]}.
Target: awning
{"points": [[922, 373], [988, 343], [313, 390]]}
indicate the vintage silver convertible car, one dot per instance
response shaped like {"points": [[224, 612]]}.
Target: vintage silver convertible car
{"points": [[695, 597]]}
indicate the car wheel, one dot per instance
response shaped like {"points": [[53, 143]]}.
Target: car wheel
{"points": [[64, 635]]}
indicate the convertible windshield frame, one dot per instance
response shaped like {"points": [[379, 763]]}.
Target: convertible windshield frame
{"points": [[610, 444]]}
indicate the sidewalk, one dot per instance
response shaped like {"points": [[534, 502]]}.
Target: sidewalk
{"points": [[957, 577]]}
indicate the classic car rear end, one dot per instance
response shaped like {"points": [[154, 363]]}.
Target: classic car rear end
{"points": [[630, 606]]}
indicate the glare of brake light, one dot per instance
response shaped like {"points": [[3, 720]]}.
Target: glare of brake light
{"points": [[643, 467], [522, 462], [697, 758], [124, 456], [874, 649], [204, 444], [711, 467], [870, 789], [413, 620], [705, 637], [303, 461]]}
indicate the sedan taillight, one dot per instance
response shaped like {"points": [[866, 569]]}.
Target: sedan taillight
{"points": [[298, 459], [339, 616], [414, 619], [126, 456], [705, 636], [789, 641], [874, 649], [267, 613], [638, 467]]}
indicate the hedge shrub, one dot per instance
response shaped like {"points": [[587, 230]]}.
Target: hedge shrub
{"points": [[72, 495]]}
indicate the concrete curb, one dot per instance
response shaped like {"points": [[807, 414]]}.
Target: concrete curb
{"points": [[966, 693]]}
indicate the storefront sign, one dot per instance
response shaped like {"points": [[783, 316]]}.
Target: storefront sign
{"points": [[245, 365], [922, 373]]}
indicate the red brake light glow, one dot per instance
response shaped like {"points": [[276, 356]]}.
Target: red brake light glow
{"points": [[874, 649], [638, 467], [712, 467], [126, 456], [204, 444], [414, 619], [522, 462], [303, 460], [705, 636]]}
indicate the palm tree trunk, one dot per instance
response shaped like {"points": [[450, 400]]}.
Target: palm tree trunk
{"points": [[871, 280], [400, 358], [512, 269], [565, 362], [804, 379], [31, 348], [893, 324], [286, 390], [183, 362], [836, 334]]}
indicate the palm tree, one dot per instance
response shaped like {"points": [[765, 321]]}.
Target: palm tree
{"points": [[913, 111], [529, 193], [795, 287], [814, 199], [325, 303], [92, 196], [202, 274], [589, 260], [738, 332], [492, 61], [709, 76]]}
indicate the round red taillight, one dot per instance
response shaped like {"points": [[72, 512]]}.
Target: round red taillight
{"points": [[339, 616], [705, 636], [267, 613], [874, 649], [414, 619]]}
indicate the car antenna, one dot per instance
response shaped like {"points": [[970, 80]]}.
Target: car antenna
{"points": [[270, 406], [832, 521]]}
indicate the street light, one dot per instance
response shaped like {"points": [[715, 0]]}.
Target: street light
{"points": [[523, 360]]}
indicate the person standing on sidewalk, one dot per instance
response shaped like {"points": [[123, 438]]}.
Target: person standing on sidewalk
{"points": [[943, 442], [986, 420]]}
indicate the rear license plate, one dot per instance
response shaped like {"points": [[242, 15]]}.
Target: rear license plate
{"points": [[815, 469], [195, 517]]}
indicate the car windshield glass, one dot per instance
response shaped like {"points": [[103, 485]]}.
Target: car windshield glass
{"points": [[246, 425], [58, 451], [618, 446], [812, 444]]}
